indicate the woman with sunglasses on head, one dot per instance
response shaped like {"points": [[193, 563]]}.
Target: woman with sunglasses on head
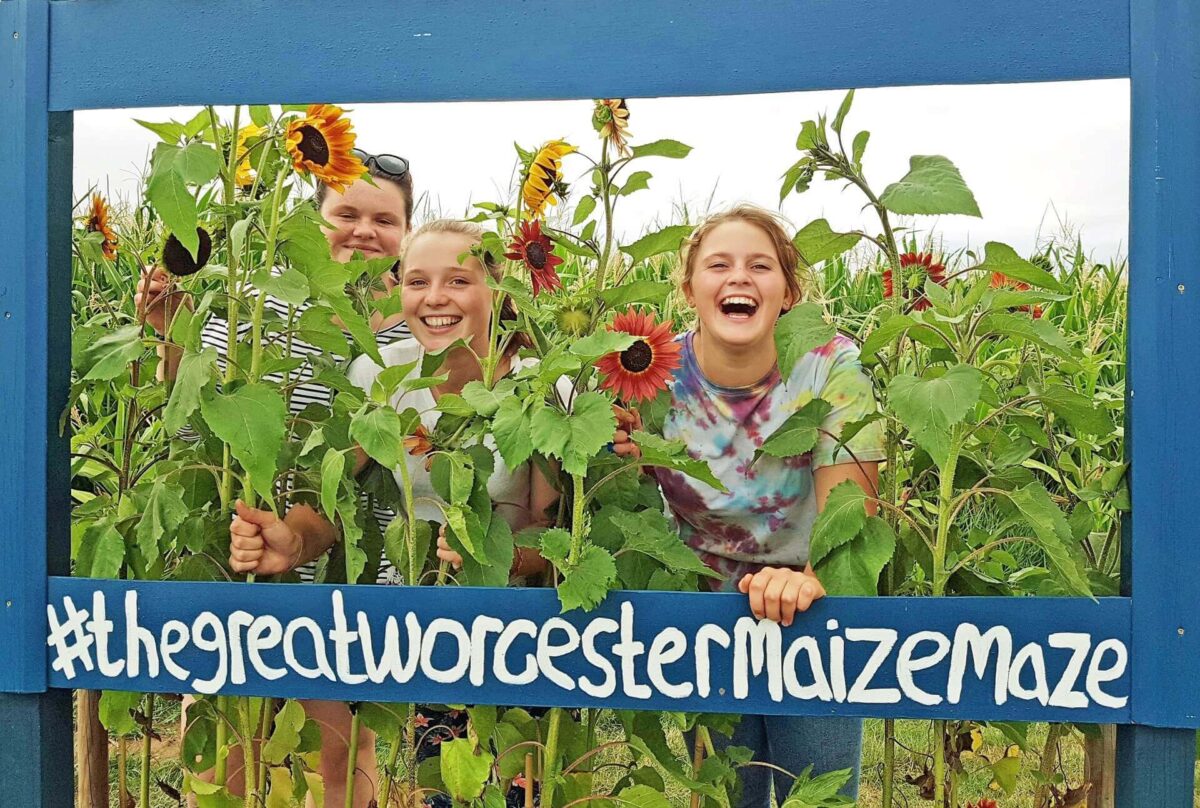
{"points": [[447, 298], [373, 219]]}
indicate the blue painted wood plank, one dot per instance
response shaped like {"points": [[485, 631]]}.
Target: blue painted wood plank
{"points": [[35, 760], [639, 650], [1164, 357], [1155, 767], [126, 53], [31, 388]]}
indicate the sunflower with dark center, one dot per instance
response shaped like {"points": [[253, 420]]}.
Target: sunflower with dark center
{"points": [[611, 119], [179, 262], [921, 266], [642, 370], [320, 143], [97, 222], [543, 179], [245, 172], [533, 247]]}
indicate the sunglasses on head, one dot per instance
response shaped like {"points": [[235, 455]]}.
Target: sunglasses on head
{"points": [[390, 165]]}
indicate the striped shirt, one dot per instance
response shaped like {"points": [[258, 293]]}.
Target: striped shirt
{"points": [[304, 393]]}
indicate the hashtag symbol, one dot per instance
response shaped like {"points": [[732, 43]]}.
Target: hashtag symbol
{"points": [[70, 641]]}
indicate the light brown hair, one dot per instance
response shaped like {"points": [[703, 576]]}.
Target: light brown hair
{"points": [[491, 263], [774, 225]]}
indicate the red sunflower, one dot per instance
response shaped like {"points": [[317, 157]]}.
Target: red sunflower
{"points": [[927, 267], [534, 248], [1002, 281], [643, 369], [97, 222]]}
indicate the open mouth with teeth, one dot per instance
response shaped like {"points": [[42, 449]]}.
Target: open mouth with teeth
{"points": [[738, 307], [441, 322]]}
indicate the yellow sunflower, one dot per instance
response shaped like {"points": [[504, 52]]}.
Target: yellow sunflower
{"points": [[321, 143], [611, 119], [544, 178], [97, 222], [245, 174]]}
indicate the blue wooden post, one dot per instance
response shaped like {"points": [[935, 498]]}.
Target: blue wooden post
{"points": [[1155, 763], [35, 337]]}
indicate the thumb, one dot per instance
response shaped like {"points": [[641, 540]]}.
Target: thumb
{"points": [[255, 516]]}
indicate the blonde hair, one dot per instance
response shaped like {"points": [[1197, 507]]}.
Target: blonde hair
{"points": [[491, 264], [771, 223]]}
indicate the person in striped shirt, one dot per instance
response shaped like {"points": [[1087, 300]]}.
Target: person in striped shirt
{"points": [[372, 219]]}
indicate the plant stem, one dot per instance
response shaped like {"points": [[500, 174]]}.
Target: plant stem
{"points": [[578, 508], [889, 760], [144, 774], [606, 194], [939, 763], [266, 715], [697, 762], [389, 768], [352, 763], [249, 724], [550, 764], [220, 771]]}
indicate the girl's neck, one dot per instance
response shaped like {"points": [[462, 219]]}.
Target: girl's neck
{"points": [[461, 366], [730, 365]]}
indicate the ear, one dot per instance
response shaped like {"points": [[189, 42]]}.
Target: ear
{"points": [[687, 294], [789, 300]]}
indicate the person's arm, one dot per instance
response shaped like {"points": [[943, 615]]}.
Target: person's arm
{"points": [[157, 301], [262, 543], [779, 593]]}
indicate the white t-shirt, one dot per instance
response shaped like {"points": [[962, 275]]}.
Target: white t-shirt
{"points": [[509, 489]]}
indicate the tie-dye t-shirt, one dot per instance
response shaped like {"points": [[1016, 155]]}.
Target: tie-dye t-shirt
{"points": [[766, 517]]}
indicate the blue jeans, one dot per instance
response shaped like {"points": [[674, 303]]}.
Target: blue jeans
{"points": [[827, 743]]}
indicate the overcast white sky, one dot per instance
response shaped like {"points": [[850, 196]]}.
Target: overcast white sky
{"points": [[1034, 154]]}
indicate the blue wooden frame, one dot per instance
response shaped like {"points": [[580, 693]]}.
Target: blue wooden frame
{"points": [[62, 55]]}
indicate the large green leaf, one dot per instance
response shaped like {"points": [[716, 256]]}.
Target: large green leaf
{"points": [[933, 187], [577, 437], [196, 163], [854, 567], [662, 148], [285, 738], [1053, 533], [817, 242], [512, 430], [673, 455], [843, 110], [1004, 259], [585, 584], [101, 551], [251, 421], [464, 771], [640, 291], [380, 433], [1077, 410], [1024, 328], [844, 515], [661, 241], [930, 407], [115, 711], [799, 433], [799, 331], [162, 515], [484, 401], [110, 354], [601, 343], [822, 791], [333, 468], [640, 796], [167, 191], [194, 373], [494, 561], [650, 534], [637, 181]]}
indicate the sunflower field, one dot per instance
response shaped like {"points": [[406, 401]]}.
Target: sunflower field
{"points": [[999, 379]]}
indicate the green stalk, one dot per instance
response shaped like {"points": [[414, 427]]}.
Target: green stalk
{"points": [[122, 771], [606, 194], [144, 774], [352, 764], [889, 761], [220, 771], [229, 190], [578, 506], [264, 730], [249, 766], [940, 579], [550, 764], [389, 768], [268, 262]]}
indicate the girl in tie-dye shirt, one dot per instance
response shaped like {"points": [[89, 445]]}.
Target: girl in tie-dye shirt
{"points": [[727, 397]]}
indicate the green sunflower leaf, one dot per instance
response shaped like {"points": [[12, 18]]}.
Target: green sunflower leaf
{"points": [[854, 567], [817, 242], [844, 515], [251, 420], [585, 585], [666, 240], [932, 186], [662, 148], [930, 407], [799, 331], [799, 433], [1004, 259]]}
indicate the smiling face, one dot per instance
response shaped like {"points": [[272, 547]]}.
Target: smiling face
{"points": [[367, 218], [445, 299], [737, 286]]}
